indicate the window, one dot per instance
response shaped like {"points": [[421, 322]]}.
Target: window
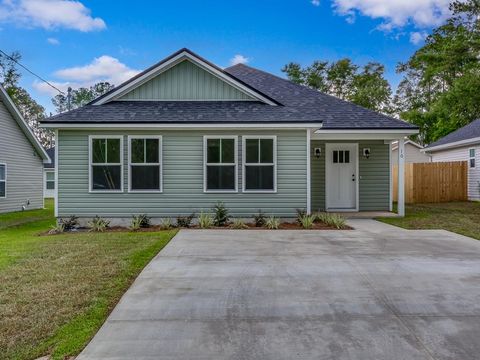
{"points": [[341, 156], [3, 180], [259, 163], [471, 161], [220, 159], [145, 164], [50, 180], [106, 163]]}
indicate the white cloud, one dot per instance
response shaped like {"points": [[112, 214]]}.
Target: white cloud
{"points": [[53, 41], [397, 13], [239, 59], [50, 14], [417, 37], [103, 68], [315, 2]]}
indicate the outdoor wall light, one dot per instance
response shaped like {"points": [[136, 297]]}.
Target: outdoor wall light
{"points": [[318, 152], [366, 153]]}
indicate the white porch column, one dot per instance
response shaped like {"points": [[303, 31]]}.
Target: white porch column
{"points": [[401, 177], [309, 188]]}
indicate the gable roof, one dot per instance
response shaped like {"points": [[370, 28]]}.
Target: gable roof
{"points": [[413, 143], [51, 155], [292, 103], [23, 124], [464, 136]]}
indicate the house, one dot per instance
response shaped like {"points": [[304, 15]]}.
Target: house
{"points": [[461, 145], [49, 175], [413, 153], [21, 160], [184, 134]]}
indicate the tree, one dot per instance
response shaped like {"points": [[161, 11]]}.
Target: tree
{"points": [[31, 111], [365, 86], [80, 96]]}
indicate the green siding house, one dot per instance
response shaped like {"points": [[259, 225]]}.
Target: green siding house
{"points": [[184, 134]]}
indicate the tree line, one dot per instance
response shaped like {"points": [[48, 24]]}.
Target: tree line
{"points": [[439, 91]]}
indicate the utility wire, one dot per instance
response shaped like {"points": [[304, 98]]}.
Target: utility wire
{"points": [[31, 72]]}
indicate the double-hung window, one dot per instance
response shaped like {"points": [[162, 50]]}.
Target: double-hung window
{"points": [[145, 163], [220, 163], [3, 180], [49, 180], [471, 160], [106, 163], [259, 163]]}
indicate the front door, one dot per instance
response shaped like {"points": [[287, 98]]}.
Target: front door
{"points": [[341, 177]]}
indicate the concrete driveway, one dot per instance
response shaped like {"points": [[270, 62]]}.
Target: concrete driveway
{"points": [[373, 293]]}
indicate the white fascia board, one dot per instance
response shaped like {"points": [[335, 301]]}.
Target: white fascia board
{"points": [[24, 126], [381, 134], [182, 126], [172, 62], [452, 145]]}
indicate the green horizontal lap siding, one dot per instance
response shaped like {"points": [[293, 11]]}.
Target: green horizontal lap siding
{"points": [[182, 178], [185, 81], [374, 176]]}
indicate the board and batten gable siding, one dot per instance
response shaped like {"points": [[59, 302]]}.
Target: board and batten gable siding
{"points": [[182, 178], [374, 176], [462, 154], [185, 81], [24, 166]]}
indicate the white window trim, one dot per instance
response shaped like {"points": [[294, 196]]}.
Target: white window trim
{"points": [[159, 164], [4, 181], [474, 157], [90, 163], [244, 152], [207, 137], [46, 179]]}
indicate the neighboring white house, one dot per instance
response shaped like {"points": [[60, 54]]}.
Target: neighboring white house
{"points": [[49, 175], [461, 145], [413, 153], [21, 160]]}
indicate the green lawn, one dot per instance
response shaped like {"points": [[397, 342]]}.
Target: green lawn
{"points": [[460, 217], [56, 291]]}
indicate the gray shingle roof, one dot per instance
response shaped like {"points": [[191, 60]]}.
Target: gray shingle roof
{"points": [[297, 104], [51, 155], [467, 132]]}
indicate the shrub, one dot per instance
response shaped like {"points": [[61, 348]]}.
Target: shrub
{"points": [[69, 223], [205, 220], [136, 223], [239, 224], [259, 219], [334, 220], [58, 228], [306, 221], [301, 213], [220, 217], [166, 224], [98, 224], [272, 223], [185, 221]]}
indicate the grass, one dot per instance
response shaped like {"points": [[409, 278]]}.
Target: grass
{"points": [[56, 291], [460, 217]]}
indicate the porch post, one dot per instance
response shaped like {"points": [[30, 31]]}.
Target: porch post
{"points": [[401, 177], [309, 190]]}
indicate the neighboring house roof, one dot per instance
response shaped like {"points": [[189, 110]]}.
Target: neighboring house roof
{"points": [[413, 143], [23, 124], [277, 101], [51, 154], [464, 136]]}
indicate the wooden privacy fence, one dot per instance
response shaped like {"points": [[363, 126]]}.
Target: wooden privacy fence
{"points": [[433, 182]]}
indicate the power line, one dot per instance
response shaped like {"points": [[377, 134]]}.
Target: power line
{"points": [[31, 72]]}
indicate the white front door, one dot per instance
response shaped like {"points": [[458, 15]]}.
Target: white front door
{"points": [[341, 176]]}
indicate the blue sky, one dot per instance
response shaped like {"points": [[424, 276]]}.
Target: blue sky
{"points": [[81, 42]]}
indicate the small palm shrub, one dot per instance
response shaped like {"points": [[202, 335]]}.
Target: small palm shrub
{"points": [[307, 221], [69, 223], [166, 224], [185, 221], [205, 220], [272, 223], [239, 224], [58, 228], [98, 224], [139, 221], [335, 220], [259, 219], [144, 220], [220, 214], [301, 213]]}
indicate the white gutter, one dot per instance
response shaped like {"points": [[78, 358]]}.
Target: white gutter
{"points": [[452, 145]]}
